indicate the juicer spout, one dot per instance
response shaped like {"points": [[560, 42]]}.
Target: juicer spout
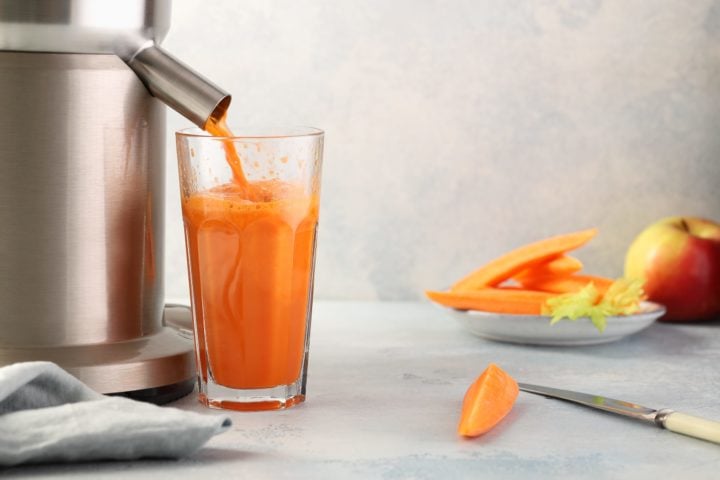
{"points": [[177, 85]]}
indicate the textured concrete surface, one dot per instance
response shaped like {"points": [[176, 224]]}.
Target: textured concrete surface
{"points": [[459, 129], [386, 383]]}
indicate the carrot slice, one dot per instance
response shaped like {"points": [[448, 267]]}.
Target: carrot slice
{"points": [[488, 400], [522, 258], [568, 284], [498, 300], [555, 267]]}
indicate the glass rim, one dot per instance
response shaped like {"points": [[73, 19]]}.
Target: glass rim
{"points": [[274, 132]]}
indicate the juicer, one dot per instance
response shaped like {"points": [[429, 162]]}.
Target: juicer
{"points": [[82, 166]]}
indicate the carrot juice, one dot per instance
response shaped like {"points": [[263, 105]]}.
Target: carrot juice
{"points": [[250, 247]]}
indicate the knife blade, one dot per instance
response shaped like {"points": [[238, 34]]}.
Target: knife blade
{"points": [[677, 422]]}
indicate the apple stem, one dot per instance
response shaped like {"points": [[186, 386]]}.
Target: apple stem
{"points": [[684, 225]]}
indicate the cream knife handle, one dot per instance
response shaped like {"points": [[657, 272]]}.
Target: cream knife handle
{"points": [[688, 425]]}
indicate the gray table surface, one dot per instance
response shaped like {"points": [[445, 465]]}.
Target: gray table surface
{"points": [[386, 382]]}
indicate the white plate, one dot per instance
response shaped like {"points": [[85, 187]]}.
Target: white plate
{"points": [[536, 329]]}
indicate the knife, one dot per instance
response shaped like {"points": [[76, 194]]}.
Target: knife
{"points": [[664, 418]]}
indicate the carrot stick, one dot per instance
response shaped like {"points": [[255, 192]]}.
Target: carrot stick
{"points": [[555, 267], [567, 284], [488, 400], [522, 258], [498, 300]]}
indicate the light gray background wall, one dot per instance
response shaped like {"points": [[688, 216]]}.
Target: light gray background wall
{"points": [[459, 129]]}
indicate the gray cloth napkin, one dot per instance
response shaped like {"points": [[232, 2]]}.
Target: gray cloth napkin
{"points": [[47, 415]]}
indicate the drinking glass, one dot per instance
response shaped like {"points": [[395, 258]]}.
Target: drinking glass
{"points": [[250, 207]]}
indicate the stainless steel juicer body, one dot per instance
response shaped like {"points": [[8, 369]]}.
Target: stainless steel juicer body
{"points": [[82, 188]]}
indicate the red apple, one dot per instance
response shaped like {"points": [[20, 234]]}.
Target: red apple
{"points": [[679, 258]]}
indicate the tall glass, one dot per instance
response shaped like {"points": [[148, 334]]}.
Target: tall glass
{"points": [[250, 246]]}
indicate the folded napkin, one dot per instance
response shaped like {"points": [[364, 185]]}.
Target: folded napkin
{"points": [[47, 415]]}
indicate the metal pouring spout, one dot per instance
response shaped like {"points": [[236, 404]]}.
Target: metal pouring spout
{"points": [[178, 86]]}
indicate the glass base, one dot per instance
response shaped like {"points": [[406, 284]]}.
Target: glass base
{"points": [[253, 399]]}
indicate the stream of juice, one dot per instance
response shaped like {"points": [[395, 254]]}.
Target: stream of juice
{"points": [[250, 250]]}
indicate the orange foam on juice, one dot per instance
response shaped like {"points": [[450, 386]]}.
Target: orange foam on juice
{"points": [[250, 248]]}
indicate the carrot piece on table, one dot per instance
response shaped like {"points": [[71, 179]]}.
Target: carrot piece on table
{"points": [[521, 258], [487, 401], [568, 284], [498, 300], [558, 266]]}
